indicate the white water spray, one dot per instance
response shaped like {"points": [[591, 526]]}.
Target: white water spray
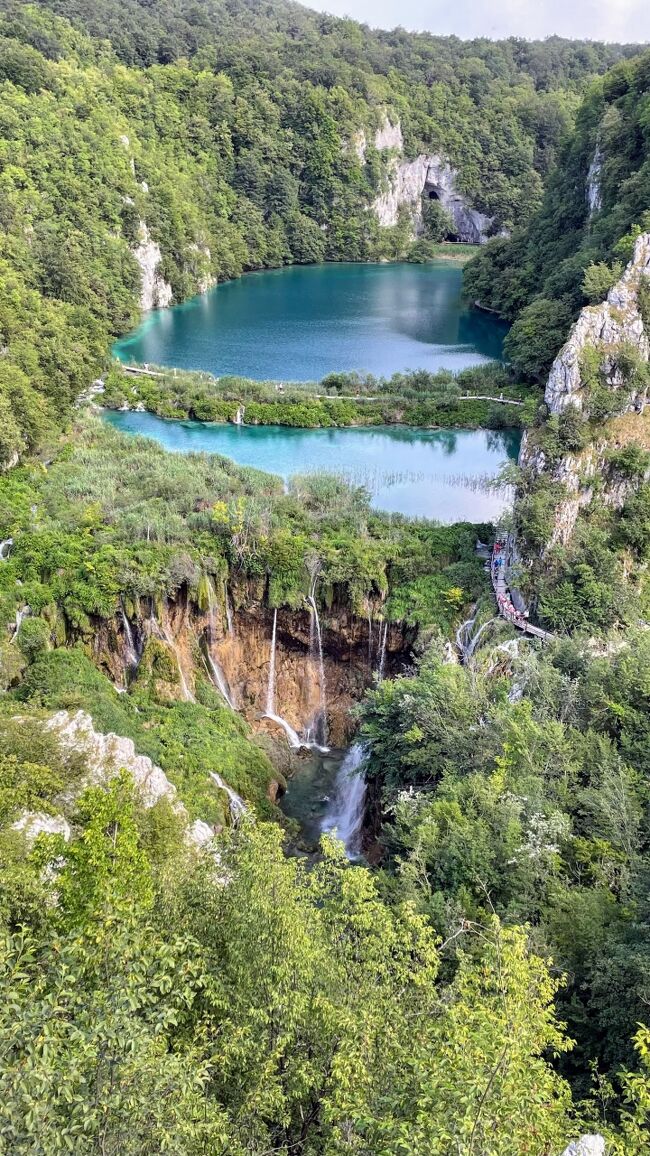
{"points": [[294, 740], [5, 549], [130, 650], [238, 808], [383, 643], [344, 817], [219, 679]]}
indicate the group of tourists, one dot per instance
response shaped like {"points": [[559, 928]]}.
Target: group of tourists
{"points": [[506, 606]]}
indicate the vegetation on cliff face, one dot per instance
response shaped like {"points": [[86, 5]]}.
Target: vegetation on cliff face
{"points": [[596, 201]]}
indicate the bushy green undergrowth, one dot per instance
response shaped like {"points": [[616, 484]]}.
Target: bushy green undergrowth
{"points": [[416, 398], [116, 520]]}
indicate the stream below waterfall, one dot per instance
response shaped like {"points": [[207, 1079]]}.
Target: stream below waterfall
{"points": [[327, 795]]}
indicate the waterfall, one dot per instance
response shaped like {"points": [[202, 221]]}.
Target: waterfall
{"points": [[383, 642], [294, 740], [473, 642], [214, 666], [316, 640], [462, 635], [229, 618], [5, 549], [166, 635], [238, 808], [131, 652], [370, 639], [466, 641], [219, 679], [270, 690], [21, 614], [344, 817]]}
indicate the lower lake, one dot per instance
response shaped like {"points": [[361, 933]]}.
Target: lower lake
{"points": [[439, 474], [302, 322]]}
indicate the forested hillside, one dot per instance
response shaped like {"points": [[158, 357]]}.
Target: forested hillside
{"points": [[169, 139], [574, 248], [181, 970]]}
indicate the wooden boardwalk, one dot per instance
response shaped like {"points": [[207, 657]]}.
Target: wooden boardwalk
{"points": [[502, 593]]}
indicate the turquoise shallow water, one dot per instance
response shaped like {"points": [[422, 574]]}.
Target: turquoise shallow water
{"points": [[436, 474], [300, 323]]}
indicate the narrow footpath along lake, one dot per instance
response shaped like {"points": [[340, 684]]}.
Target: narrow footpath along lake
{"points": [[302, 322], [440, 474]]}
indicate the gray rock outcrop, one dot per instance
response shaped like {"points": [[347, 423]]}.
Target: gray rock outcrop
{"points": [[408, 181], [593, 190], [617, 321], [155, 292], [593, 1145]]}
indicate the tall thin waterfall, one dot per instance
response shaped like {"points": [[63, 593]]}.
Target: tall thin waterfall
{"points": [[219, 679], [214, 666], [383, 642], [344, 817], [294, 739], [130, 650], [316, 652], [229, 618], [165, 633], [236, 804]]}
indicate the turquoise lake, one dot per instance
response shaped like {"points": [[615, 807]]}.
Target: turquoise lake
{"points": [[302, 322], [440, 474]]}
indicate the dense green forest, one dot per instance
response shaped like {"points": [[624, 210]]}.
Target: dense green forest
{"points": [[575, 246], [481, 989], [229, 154]]}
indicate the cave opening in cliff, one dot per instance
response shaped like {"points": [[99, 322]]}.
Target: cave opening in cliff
{"points": [[433, 195]]}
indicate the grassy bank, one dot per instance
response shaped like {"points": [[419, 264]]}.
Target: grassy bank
{"points": [[484, 396]]}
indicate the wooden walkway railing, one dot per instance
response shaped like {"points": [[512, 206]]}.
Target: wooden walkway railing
{"points": [[502, 594]]}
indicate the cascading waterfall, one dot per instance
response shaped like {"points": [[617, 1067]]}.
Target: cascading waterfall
{"points": [[294, 739], [229, 617], [473, 642], [463, 635], [130, 652], [344, 817], [214, 666], [164, 633], [238, 808], [219, 679], [316, 654], [5, 549], [383, 643]]}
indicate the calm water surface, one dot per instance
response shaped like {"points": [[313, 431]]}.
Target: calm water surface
{"points": [[438, 474], [300, 323]]}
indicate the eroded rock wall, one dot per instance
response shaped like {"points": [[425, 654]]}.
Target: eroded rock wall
{"points": [[408, 180], [239, 642], [616, 322]]}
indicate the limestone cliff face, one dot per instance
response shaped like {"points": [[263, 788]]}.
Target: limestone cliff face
{"points": [[105, 755], [408, 180], [155, 292], [616, 322]]}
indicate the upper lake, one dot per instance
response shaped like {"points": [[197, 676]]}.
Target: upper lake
{"points": [[302, 322], [439, 474]]}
